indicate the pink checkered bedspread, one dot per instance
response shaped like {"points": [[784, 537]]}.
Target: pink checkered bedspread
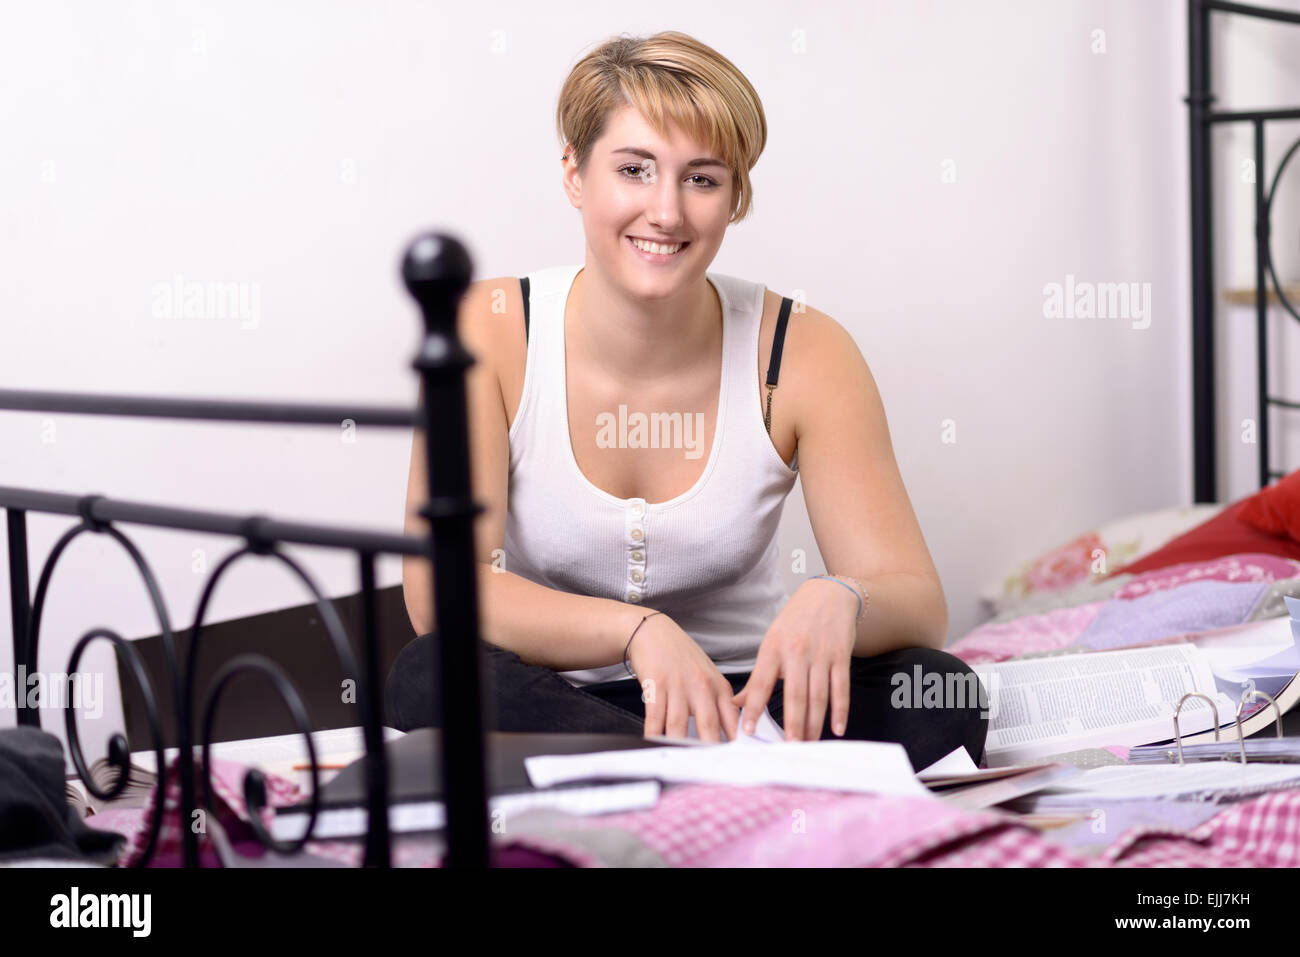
{"points": [[724, 826]]}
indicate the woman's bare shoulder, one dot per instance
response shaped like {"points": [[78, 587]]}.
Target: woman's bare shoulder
{"points": [[809, 332], [490, 318], [488, 306], [814, 341], [490, 323]]}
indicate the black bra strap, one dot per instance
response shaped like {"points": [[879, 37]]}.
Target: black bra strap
{"points": [[778, 340], [774, 363], [523, 285]]}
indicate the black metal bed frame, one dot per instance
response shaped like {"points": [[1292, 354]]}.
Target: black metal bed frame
{"points": [[1202, 117], [436, 270]]}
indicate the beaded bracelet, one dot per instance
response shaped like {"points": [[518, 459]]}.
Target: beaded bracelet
{"points": [[629, 641], [860, 591]]}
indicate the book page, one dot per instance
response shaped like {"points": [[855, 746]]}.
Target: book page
{"points": [[1049, 705]]}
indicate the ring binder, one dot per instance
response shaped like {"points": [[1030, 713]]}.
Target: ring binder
{"points": [[1264, 751], [1212, 781], [1178, 738], [1253, 693]]}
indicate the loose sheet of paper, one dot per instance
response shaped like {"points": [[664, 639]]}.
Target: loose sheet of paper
{"points": [[765, 729], [872, 767], [955, 762]]}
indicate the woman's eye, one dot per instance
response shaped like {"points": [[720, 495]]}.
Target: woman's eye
{"points": [[639, 172]]}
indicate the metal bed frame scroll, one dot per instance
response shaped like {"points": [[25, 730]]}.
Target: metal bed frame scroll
{"points": [[436, 270]]}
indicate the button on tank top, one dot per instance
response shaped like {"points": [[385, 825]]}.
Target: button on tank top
{"points": [[707, 558]]}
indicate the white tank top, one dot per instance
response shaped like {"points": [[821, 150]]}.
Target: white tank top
{"points": [[707, 558]]}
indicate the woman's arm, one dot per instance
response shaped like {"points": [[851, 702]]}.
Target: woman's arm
{"points": [[865, 529], [861, 515], [543, 626], [900, 612]]}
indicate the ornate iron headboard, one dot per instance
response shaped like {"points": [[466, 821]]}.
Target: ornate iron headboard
{"points": [[436, 270]]}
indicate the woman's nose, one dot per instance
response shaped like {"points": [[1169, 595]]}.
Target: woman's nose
{"points": [[665, 209]]}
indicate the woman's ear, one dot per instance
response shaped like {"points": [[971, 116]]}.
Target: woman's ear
{"points": [[572, 178]]}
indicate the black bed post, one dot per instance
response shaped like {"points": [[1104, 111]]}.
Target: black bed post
{"points": [[20, 606], [437, 270], [1261, 304], [1199, 100]]}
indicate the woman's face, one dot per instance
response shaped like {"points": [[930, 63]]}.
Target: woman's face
{"points": [[638, 186]]}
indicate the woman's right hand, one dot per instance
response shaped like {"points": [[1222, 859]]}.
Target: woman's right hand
{"points": [[679, 681]]}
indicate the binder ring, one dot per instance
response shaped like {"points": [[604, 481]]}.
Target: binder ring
{"points": [[1178, 738], [1255, 693]]}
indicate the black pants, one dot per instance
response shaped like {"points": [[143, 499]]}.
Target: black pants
{"points": [[928, 701]]}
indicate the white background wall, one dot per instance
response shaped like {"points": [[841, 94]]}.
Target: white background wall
{"points": [[295, 147]]}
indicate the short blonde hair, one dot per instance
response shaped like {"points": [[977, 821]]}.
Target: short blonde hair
{"points": [[670, 78]]}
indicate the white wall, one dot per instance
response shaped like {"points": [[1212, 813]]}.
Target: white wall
{"points": [[294, 147]]}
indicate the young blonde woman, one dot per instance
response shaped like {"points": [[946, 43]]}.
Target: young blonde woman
{"points": [[636, 424]]}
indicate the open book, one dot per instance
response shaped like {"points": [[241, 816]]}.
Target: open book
{"points": [[140, 782], [1043, 706]]}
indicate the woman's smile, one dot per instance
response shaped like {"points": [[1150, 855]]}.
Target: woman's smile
{"points": [[643, 250]]}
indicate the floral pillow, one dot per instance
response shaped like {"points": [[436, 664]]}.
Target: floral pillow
{"points": [[1095, 554]]}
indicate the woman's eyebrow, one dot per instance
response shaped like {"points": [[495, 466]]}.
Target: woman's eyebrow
{"points": [[646, 154]]}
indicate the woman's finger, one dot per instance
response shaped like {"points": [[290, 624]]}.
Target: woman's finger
{"points": [[840, 694], [795, 700], [705, 709], [758, 691], [728, 712], [819, 688], [679, 713], [654, 709]]}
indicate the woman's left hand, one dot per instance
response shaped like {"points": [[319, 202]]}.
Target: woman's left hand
{"points": [[809, 646]]}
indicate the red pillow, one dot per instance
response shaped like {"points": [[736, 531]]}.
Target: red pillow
{"points": [[1276, 509], [1228, 533]]}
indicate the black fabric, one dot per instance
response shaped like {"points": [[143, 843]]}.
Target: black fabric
{"points": [[520, 697], [778, 340], [523, 285], [35, 819]]}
